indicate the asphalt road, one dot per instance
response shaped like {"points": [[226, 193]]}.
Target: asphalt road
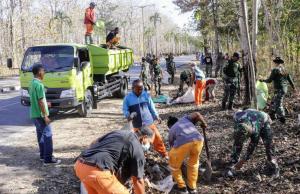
{"points": [[14, 118]]}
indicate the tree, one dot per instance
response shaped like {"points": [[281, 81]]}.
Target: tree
{"points": [[155, 19], [61, 20]]}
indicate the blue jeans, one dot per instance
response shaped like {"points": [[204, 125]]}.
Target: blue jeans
{"points": [[44, 137]]}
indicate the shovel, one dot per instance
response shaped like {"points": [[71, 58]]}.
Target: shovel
{"points": [[208, 169]]}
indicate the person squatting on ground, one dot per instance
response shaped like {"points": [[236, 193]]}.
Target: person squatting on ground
{"points": [[158, 76], [171, 68], [199, 80], [89, 21], [140, 101], [144, 76], [210, 86], [185, 78], [113, 39], [231, 73], [208, 65], [280, 78], [186, 142], [110, 161], [39, 114], [253, 124]]}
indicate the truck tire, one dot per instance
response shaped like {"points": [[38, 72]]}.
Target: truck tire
{"points": [[121, 93], [86, 107]]}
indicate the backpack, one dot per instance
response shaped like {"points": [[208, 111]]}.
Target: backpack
{"points": [[230, 69]]}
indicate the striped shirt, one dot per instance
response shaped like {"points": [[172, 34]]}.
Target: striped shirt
{"points": [[182, 132], [199, 74]]}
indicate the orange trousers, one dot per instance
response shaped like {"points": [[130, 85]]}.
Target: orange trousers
{"points": [[89, 29], [199, 88], [158, 143], [98, 181]]}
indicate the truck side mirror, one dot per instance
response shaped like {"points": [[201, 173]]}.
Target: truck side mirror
{"points": [[9, 63], [76, 62]]}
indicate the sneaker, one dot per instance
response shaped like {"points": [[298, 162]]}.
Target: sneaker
{"points": [[192, 191], [42, 159], [179, 190], [54, 161]]}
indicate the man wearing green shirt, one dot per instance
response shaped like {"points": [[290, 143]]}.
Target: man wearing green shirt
{"points": [[39, 114]]}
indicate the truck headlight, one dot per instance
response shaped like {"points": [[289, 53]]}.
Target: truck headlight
{"points": [[24, 93], [67, 93]]}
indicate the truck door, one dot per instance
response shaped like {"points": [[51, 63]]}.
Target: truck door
{"points": [[80, 92], [85, 67]]}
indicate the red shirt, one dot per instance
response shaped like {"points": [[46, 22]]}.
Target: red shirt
{"points": [[211, 81], [89, 17]]}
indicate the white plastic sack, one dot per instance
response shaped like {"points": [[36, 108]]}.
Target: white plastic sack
{"points": [[166, 77], [164, 185], [188, 97]]}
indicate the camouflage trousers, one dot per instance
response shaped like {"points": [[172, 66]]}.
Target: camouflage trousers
{"points": [[277, 104], [208, 70], [157, 85], [219, 67], [240, 138], [146, 83], [230, 89]]}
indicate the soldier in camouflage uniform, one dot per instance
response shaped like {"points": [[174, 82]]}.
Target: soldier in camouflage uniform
{"points": [[157, 76], [145, 74], [253, 124], [280, 79], [171, 68], [231, 73]]}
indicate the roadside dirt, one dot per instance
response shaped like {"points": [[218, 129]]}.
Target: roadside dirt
{"points": [[26, 174]]}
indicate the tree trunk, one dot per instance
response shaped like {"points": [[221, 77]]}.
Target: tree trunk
{"points": [[22, 25], [217, 41], [251, 76], [254, 29]]}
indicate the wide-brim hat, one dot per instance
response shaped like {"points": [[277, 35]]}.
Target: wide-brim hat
{"points": [[278, 60]]}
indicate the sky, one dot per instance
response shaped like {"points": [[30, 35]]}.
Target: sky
{"points": [[169, 9]]}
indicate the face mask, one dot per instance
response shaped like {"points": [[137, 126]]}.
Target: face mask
{"points": [[146, 147]]}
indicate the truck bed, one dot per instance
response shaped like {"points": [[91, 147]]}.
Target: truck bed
{"points": [[109, 61]]}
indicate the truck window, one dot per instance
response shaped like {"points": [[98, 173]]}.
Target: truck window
{"points": [[83, 55], [53, 58]]}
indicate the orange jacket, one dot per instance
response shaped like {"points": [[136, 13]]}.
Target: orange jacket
{"points": [[89, 17]]}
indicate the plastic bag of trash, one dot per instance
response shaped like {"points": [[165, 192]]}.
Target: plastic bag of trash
{"points": [[261, 94], [166, 77], [163, 99], [164, 185], [188, 97]]}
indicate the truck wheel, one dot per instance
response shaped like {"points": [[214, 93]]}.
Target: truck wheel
{"points": [[121, 93], [85, 109]]}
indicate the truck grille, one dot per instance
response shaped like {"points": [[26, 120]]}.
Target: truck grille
{"points": [[53, 93]]}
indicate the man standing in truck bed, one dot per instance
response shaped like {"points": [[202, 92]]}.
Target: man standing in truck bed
{"points": [[89, 21]]}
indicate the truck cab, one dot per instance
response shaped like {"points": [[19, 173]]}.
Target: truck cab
{"points": [[76, 76]]}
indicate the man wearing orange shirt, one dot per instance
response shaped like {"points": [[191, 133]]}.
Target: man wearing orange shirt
{"points": [[89, 21]]}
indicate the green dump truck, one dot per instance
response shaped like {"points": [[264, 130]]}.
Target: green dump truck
{"points": [[77, 76]]}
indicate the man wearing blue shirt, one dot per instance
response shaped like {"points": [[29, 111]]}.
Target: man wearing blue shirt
{"points": [[140, 102]]}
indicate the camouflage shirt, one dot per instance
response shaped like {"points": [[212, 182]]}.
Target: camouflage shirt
{"points": [[253, 118], [280, 78]]}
